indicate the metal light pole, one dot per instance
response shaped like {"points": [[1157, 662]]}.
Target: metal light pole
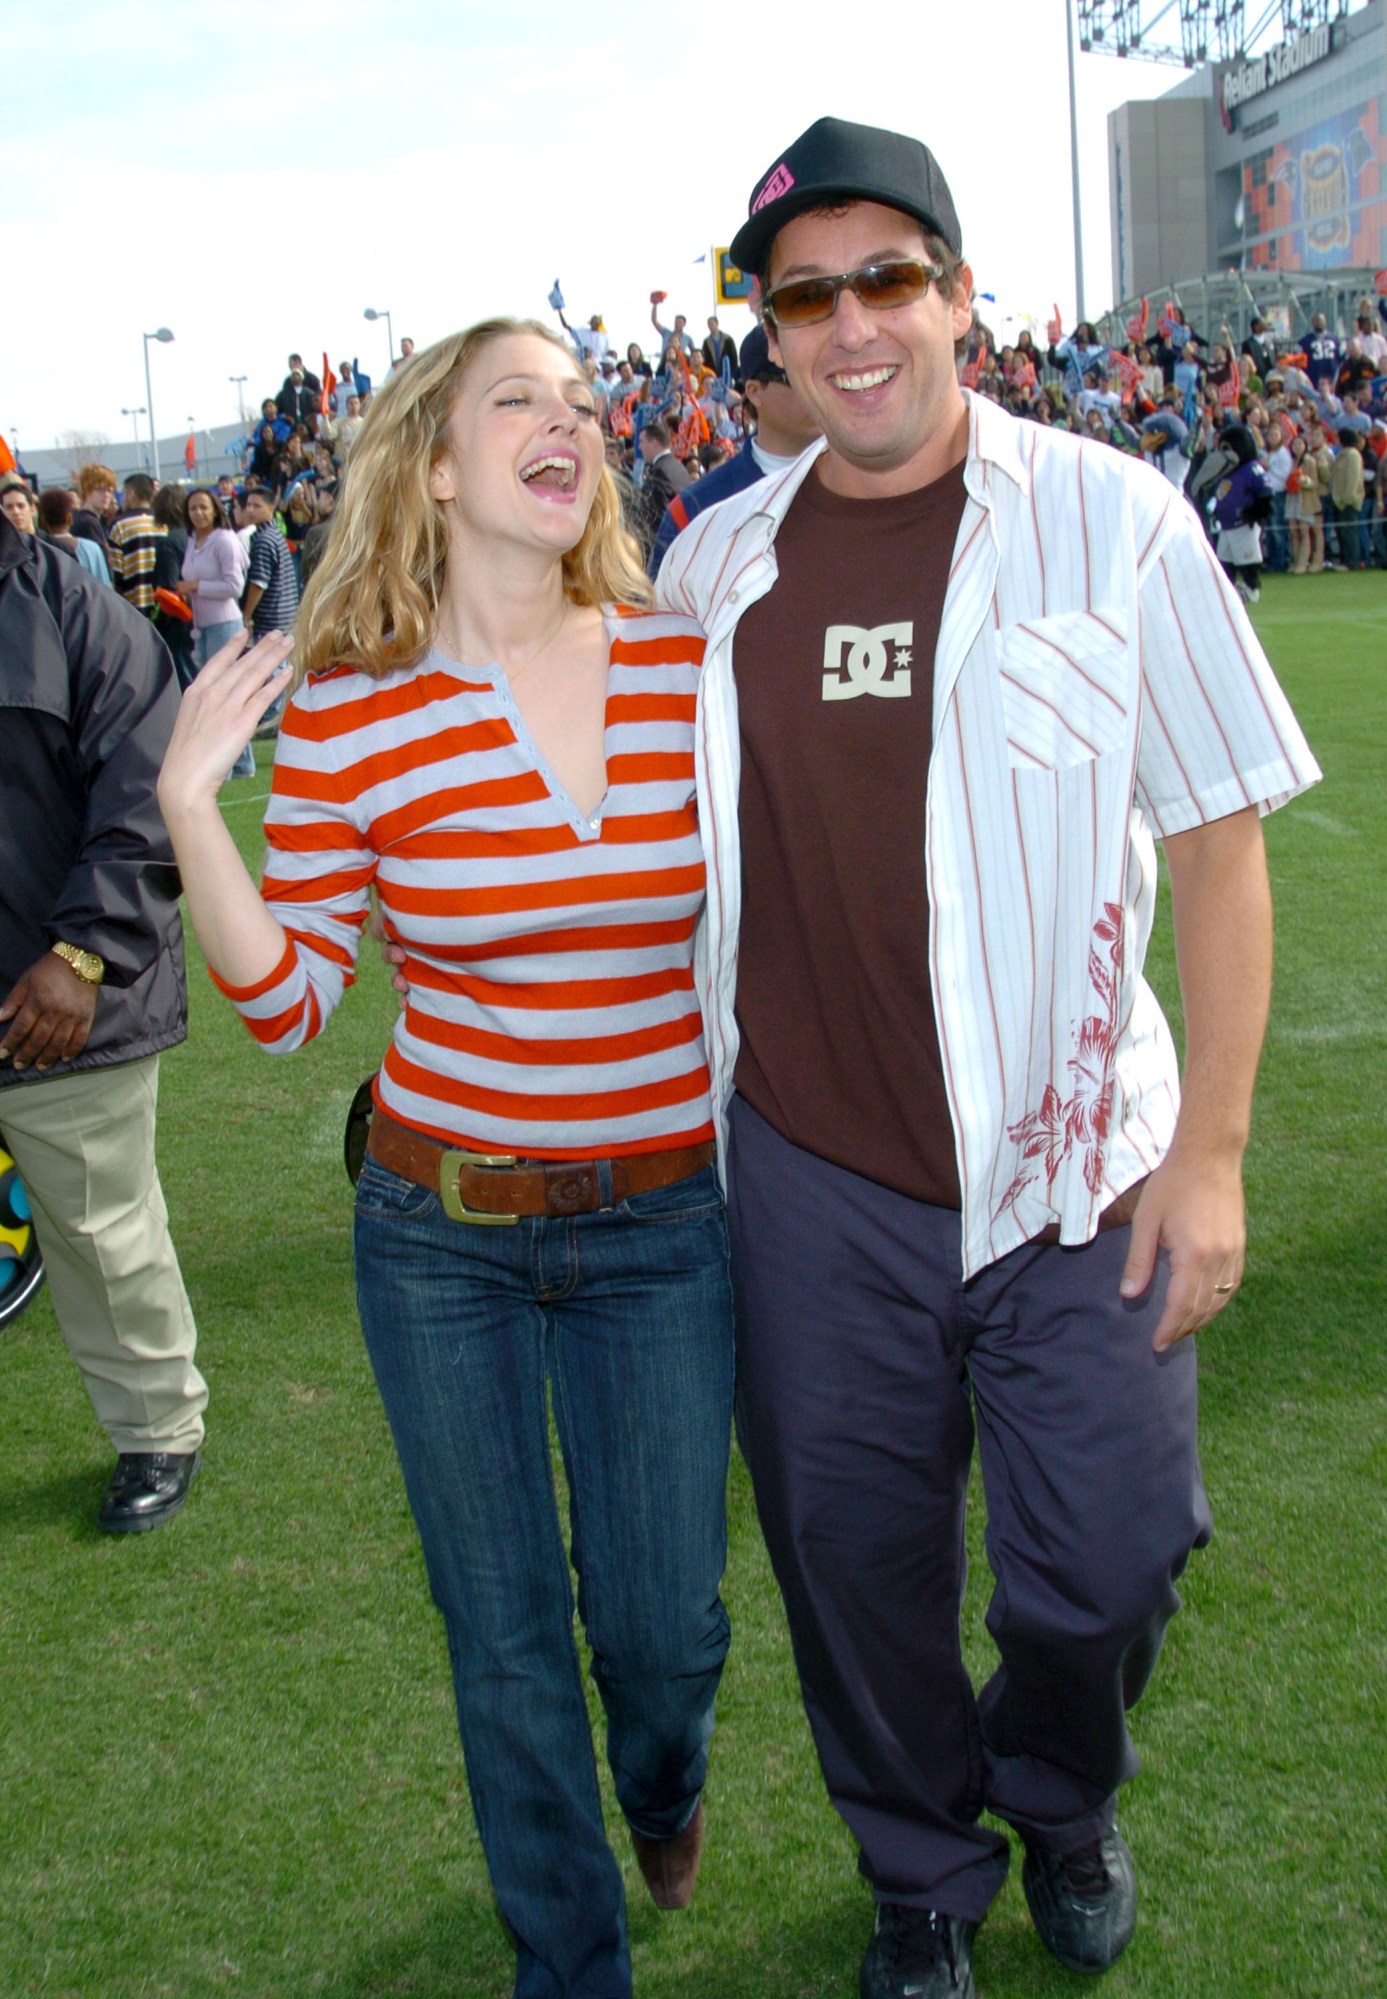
{"points": [[371, 313], [135, 416], [240, 385], [163, 336], [1074, 164]]}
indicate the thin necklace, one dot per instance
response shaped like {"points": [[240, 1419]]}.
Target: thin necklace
{"points": [[526, 664]]}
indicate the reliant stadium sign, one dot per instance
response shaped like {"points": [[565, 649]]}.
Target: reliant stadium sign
{"points": [[1278, 65]]}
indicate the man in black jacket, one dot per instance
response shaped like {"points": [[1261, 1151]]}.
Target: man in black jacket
{"points": [[91, 972], [719, 347], [1259, 349], [664, 476], [300, 394]]}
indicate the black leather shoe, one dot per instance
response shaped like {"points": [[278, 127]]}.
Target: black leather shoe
{"points": [[1083, 1904], [918, 1954], [148, 1489]]}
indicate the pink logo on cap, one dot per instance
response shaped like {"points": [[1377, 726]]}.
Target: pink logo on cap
{"points": [[779, 181]]}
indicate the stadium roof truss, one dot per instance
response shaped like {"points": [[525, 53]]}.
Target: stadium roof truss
{"points": [[1287, 300], [1208, 30]]}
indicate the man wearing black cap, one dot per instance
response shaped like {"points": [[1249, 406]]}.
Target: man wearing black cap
{"points": [[1259, 349], [980, 667], [784, 428]]}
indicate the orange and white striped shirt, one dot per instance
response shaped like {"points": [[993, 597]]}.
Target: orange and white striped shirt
{"points": [[551, 1009]]}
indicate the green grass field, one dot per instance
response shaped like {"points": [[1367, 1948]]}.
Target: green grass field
{"points": [[228, 1763]]}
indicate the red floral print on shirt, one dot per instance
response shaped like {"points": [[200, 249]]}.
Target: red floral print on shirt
{"points": [[1048, 1135]]}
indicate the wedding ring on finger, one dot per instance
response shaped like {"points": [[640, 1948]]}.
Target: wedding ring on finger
{"points": [[1222, 1290]]}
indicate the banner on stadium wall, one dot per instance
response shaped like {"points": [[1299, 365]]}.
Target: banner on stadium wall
{"points": [[1314, 200], [733, 287]]}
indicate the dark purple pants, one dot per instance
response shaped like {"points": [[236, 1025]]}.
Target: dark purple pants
{"points": [[863, 1364]]}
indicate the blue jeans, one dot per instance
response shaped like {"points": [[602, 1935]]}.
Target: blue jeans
{"points": [[626, 1316], [210, 639], [1276, 536]]}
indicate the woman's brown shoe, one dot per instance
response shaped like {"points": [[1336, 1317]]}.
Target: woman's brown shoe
{"points": [[670, 1866]]}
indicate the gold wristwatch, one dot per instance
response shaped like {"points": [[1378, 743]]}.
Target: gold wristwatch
{"points": [[86, 964]]}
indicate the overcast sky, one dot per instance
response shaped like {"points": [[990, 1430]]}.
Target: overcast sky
{"points": [[254, 176]]}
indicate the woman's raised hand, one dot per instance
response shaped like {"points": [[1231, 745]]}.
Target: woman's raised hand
{"points": [[218, 716], [216, 719]]}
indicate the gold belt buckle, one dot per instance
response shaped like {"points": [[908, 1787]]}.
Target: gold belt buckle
{"points": [[454, 1207]]}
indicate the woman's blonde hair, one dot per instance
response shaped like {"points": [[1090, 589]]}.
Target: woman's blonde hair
{"points": [[373, 600]]}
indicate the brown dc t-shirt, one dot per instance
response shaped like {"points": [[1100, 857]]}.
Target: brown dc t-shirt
{"points": [[835, 689]]}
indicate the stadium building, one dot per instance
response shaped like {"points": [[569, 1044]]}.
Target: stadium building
{"points": [[1260, 183]]}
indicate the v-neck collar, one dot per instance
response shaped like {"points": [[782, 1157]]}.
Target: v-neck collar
{"points": [[586, 827]]}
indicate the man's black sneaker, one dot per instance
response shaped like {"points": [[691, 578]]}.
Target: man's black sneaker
{"points": [[918, 1954], [1084, 1903]]}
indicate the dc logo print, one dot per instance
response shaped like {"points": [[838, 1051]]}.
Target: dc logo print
{"points": [[856, 661]]}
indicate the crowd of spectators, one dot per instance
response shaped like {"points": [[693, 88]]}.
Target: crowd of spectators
{"points": [[672, 418], [1284, 437], [1280, 444], [233, 551]]}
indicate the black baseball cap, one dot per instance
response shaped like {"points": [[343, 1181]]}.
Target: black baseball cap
{"points": [[836, 161]]}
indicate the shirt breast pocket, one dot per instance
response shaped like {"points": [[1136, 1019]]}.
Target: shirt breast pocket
{"points": [[1064, 688]]}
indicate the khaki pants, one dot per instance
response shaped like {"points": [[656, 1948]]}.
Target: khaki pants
{"points": [[84, 1144]]}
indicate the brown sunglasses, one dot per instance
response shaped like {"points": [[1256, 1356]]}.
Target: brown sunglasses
{"points": [[880, 287]]}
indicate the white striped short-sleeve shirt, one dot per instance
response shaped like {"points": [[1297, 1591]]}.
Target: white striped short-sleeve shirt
{"points": [[1097, 686]]}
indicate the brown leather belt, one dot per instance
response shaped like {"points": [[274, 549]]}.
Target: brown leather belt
{"points": [[496, 1188], [1116, 1215]]}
